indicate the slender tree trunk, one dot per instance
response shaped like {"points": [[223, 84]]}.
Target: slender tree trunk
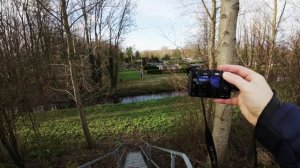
{"points": [[116, 67], [98, 38], [75, 85], [275, 25], [211, 50], [272, 41], [89, 50], [212, 30], [225, 55], [112, 69]]}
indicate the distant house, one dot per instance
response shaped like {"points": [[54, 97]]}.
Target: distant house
{"points": [[160, 66]]}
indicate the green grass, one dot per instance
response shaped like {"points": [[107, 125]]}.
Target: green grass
{"points": [[129, 75], [61, 130], [149, 84], [171, 123]]}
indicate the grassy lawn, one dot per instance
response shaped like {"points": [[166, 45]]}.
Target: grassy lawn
{"points": [[132, 84], [170, 123], [60, 131], [129, 75]]}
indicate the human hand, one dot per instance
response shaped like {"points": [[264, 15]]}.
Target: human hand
{"points": [[254, 95]]}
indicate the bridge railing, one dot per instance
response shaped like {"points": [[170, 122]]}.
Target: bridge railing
{"points": [[117, 153], [147, 152]]}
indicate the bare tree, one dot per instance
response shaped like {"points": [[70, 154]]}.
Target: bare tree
{"points": [[93, 60], [23, 77], [73, 74], [275, 25], [119, 23], [212, 36], [99, 47], [289, 88], [39, 52], [225, 55]]}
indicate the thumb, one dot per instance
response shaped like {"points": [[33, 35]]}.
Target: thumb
{"points": [[236, 80]]}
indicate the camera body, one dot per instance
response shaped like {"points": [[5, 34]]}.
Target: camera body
{"points": [[208, 84]]}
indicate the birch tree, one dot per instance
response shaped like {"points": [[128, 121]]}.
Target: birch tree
{"points": [[225, 55]]}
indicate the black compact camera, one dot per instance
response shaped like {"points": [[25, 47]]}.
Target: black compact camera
{"points": [[208, 84]]}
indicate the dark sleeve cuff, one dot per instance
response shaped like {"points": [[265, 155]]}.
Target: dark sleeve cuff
{"points": [[278, 130], [263, 132]]}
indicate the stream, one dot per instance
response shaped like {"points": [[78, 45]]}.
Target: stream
{"points": [[133, 99], [121, 100]]}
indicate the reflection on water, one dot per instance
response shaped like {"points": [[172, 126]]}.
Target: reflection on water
{"points": [[124, 100], [141, 98]]}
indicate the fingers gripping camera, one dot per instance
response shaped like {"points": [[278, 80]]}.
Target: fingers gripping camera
{"points": [[208, 84]]}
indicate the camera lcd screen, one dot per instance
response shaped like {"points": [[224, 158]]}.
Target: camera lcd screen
{"points": [[213, 81], [208, 84]]}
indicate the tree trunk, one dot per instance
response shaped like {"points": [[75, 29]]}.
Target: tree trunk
{"points": [[212, 36], [98, 38], [272, 41], [225, 55], [9, 140], [75, 85], [211, 50], [111, 67], [89, 50], [275, 25], [113, 71]]}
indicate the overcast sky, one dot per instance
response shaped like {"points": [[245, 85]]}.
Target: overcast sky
{"points": [[160, 23], [165, 23]]}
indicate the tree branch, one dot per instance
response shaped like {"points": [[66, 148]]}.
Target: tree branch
{"points": [[61, 90], [206, 9], [280, 18], [38, 1], [83, 13]]}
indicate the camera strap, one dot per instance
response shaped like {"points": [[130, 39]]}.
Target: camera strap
{"points": [[209, 141]]}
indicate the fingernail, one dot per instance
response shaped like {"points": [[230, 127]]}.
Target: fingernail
{"points": [[226, 74]]}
